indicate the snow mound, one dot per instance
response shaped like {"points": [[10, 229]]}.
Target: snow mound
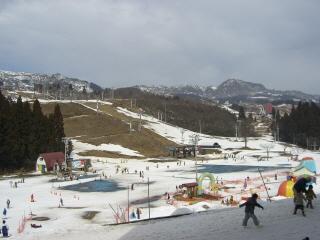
{"points": [[181, 211]]}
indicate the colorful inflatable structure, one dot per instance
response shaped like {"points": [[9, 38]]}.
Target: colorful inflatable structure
{"points": [[285, 189], [213, 184], [311, 165]]}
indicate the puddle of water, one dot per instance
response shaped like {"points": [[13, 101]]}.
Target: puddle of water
{"points": [[95, 186]]}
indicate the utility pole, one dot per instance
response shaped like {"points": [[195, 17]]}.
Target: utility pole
{"points": [[149, 197], [128, 204], [200, 127], [165, 112], [237, 131], [140, 124], [34, 90]]}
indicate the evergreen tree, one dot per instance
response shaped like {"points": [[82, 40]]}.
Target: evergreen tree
{"points": [[24, 134], [58, 128]]}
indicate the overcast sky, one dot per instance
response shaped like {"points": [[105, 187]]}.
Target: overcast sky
{"points": [[165, 42]]}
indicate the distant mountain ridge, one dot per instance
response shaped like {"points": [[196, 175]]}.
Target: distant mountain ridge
{"points": [[27, 82], [233, 90]]}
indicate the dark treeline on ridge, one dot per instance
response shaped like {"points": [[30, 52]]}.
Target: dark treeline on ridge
{"points": [[25, 132], [185, 113], [302, 126]]}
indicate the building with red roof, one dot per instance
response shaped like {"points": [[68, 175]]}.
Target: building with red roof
{"points": [[48, 162]]}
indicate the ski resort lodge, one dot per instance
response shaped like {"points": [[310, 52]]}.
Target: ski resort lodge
{"points": [[48, 162]]}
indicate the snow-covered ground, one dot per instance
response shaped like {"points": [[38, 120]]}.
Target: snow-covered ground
{"points": [[67, 221], [216, 221], [83, 147]]}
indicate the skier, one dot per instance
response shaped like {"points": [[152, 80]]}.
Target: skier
{"points": [[310, 195], [250, 204], [298, 201], [8, 203], [5, 229]]}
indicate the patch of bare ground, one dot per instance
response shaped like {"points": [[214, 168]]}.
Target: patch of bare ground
{"points": [[108, 127]]}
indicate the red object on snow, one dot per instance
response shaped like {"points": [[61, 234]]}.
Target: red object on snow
{"points": [[52, 158]]}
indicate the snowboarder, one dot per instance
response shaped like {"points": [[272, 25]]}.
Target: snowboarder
{"points": [[250, 204], [275, 177], [5, 229], [310, 195], [298, 201], [8, 203]]}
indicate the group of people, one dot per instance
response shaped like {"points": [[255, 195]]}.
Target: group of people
{"points": [[302, 190], [136, 214], [301, 194], [5, 229]]}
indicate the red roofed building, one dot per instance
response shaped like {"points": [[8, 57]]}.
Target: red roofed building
{"points": [[268, 108], [48, 162]]}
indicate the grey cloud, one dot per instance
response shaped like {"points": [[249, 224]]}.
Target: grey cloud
{"points": [[170, 42]]}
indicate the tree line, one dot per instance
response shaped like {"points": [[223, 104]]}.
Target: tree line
{"points": [[301, 127], [25, 132], [195, 115]]}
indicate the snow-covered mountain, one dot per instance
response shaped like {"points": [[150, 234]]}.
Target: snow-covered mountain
{"points": [[234, 90], [22, 81]]}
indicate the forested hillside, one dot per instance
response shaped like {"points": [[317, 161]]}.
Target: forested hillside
{"points": [[184, 113], [25, 132], [302, 126]]}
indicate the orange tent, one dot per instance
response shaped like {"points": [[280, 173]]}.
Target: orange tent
{"points": [[285, 189]]}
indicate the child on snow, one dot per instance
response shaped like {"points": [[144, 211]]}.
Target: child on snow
{"points": [[310, 195], [298, 201], [5, 229], [250, 204]]}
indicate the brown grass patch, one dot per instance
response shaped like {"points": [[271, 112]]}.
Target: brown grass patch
{"points": [[102, 128]]}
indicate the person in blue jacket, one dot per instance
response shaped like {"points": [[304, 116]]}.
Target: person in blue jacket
{"points": [[5, 229]]}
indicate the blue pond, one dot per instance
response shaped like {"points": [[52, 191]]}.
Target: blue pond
{"points": [[95, 186]]}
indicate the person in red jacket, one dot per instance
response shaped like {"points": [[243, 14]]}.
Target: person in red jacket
{"points": [[250, 204]]}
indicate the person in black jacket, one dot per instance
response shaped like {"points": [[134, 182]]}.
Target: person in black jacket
{"points": [[301, 185], [250, 204]]}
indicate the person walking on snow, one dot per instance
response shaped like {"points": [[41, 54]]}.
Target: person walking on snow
{"points": [[5, 229], [8, 203], [298, 201], [250, 204], [4, 212], [310, 195]]}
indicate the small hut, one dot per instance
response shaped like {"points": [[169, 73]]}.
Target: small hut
{"points": [[48, 162]]}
